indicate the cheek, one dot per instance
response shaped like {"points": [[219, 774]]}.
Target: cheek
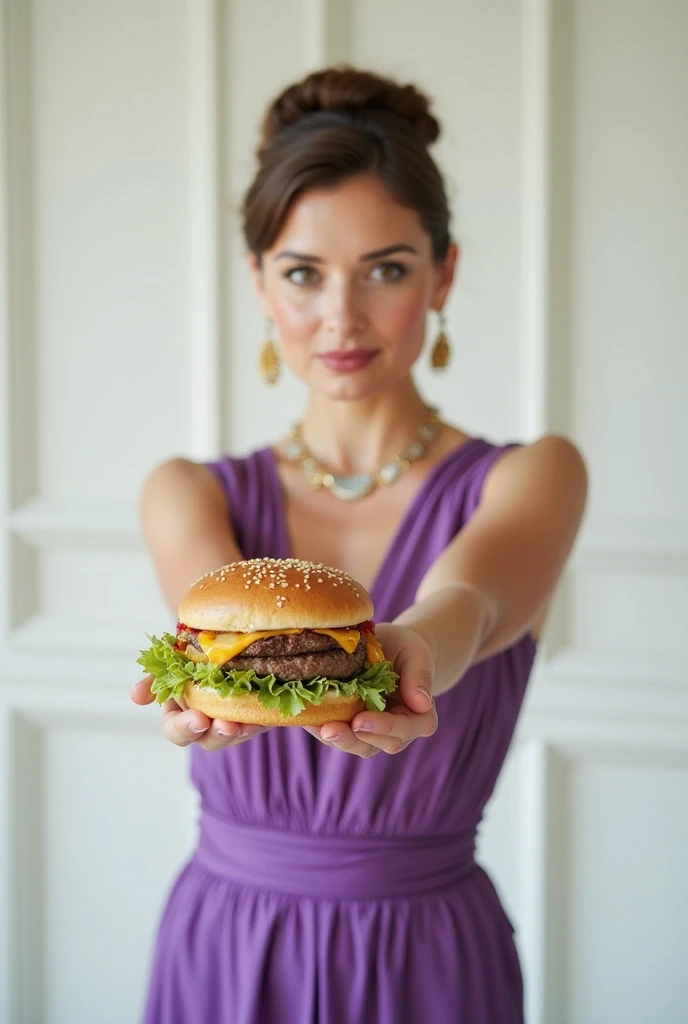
{"points": [[404, 321], [294, 320]]}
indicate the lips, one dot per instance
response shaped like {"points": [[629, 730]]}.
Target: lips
{"points": [[348, 361]]}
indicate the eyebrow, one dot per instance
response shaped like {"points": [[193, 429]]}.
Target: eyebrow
{"points": [[376, 255]]}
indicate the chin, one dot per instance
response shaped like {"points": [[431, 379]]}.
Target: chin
{"points": [[358, 386]]}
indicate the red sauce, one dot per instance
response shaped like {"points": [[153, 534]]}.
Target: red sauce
{"points": [[182, 644]]}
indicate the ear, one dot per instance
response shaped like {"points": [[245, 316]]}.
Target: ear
{"points": [[446, 271], [257, 276]]}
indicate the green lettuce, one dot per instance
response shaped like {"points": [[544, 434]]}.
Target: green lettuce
{"points": [[171, 671]]}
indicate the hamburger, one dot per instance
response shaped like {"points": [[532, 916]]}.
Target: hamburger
{"points": [[273, 642]]}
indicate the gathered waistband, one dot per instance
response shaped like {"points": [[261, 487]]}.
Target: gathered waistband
{"points": [[333, 866]]}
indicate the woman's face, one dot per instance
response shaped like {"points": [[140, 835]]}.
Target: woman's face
{"points": [[348, 284]]}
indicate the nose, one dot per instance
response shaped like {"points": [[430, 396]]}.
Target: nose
{"points": [[344, 314]]}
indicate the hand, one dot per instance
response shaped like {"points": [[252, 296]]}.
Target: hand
{"points": [[183, 725], [410, 709]]}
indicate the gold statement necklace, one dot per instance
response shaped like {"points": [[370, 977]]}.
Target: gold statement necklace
{"points": [[358, 485]]}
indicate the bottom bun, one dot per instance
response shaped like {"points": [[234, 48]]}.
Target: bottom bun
{"points": [[248, 709]]}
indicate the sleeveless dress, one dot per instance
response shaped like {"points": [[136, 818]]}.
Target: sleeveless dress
{"points": [[330, 889]]}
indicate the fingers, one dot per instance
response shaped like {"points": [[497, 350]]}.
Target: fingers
{"points": [[373, 732], [413, 661], [415, 683], [185, 727], [340, 735], [228, 734], [182, 726], [394, 729], [140, 692]]}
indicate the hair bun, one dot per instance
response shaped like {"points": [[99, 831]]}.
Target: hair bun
{"points": [[344, 89]]}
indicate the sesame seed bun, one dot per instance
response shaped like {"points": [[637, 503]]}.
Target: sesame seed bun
{"points": [[248, 708], [269, 593]]}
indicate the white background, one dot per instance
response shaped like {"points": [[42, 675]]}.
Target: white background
{"points": [[129, 332]]}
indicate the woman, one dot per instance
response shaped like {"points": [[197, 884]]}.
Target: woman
{"points": [[461, 547]]}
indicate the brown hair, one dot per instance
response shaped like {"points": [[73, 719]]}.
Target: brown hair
{"points": [[338, 123]]}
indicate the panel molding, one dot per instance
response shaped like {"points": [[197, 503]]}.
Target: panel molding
{"points": [[26, 714], [16, 276], [546, 759], [655, 672], [534, 776], [546, 226], [535, 354], [633, 545], [630, 549], [41, 528], [207, 217], [80, 524], [8, 868], [26, 895], [662, 739], [18, 284], [327, 32], [540, 772], [5, 336]]}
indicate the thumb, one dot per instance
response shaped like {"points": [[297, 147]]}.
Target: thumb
{"points": [[140, 692], [414, 665]]}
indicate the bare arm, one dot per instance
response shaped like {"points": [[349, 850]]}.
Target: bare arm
{"points": [[187, 526], [490, 586], [484, 592], [188, 531]]}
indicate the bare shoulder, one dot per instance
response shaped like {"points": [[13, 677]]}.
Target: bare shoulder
{"points": [[550, 467], [186, 523], [181, 489]]}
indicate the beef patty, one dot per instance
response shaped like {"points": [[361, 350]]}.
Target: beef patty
{"points": [[305, 655], [334, 663], [307, 642]]}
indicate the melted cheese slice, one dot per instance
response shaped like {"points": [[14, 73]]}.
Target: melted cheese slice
{"points": [[221, 647], [374, 653]]}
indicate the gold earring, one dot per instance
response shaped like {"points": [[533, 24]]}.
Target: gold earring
{"points": [[440, 355], [268, 358]]}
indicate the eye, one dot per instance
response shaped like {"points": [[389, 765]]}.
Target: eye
{"points": [[388, 271], [302, 275]]}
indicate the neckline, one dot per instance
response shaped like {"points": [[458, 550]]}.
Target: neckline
{"points": [[409, 515]]}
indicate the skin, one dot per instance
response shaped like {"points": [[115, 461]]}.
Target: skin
{"points": [[325, 292]]}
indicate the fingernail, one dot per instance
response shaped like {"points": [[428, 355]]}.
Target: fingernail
{"points": [[425, 693], [195, 728], [365, 727], [333, 739], [225, 735], [246, 730]]}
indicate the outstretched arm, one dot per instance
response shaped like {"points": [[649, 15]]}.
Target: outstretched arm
{"points": [[485, 591]]}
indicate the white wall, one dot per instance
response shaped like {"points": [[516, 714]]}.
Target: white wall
{"points": [[128, 332]]}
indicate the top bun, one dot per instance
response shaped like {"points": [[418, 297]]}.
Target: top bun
{"points": [[270, 593], [345, 89]]}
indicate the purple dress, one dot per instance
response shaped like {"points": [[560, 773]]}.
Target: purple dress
{"points": [[326, 888]]}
